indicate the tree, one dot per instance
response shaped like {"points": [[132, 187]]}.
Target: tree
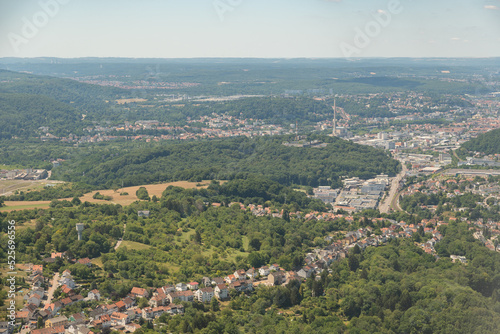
{"points": [[142, 193], [255, 244], [214, 305], [353, 262], [197, 237], [40, 323]]}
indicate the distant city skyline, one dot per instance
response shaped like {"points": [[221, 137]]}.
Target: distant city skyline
{"points": [[250, 28]]}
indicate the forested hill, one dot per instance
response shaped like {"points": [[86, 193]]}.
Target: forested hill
{"points": [[21, 115], [227, 159], [488, 143], [28, 102]]}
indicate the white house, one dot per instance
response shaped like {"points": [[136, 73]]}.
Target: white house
{"points": [[264, 271], [221, 291], [204, 295]]}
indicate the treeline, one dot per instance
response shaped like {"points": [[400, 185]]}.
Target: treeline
{"points": [[49, 193], [487, 143], [229, 159]]}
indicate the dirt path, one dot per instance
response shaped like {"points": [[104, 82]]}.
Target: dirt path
{"points": [[119, 242]]}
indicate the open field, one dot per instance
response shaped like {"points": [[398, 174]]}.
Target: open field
{"points": [[8, 187], [132, 245], [153, 189], [24, 205], [123, 101]]}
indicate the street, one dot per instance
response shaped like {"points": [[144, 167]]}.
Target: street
{"points": [[386, 204]]}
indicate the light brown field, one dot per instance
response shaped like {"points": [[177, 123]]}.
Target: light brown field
{"points": [[24, 205], [153, 189], [123, 101]]}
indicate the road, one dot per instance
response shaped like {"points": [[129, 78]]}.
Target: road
{"points": [[386, 204], [119, 242], [52, 289]]}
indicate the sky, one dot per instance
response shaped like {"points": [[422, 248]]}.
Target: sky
{"points": [[249, 28]]}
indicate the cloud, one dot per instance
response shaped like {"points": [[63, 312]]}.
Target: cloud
{"points": [[491, 7]]}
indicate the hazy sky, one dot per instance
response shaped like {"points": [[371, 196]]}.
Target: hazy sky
{"points": [[250, 28]]}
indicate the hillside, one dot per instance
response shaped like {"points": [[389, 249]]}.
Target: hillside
{"points": [[21, 115], [488, 143], [227, 159], [29, 101]]}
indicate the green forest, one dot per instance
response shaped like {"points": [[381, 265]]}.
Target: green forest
{"points": [[487, 143], [227, 159]]}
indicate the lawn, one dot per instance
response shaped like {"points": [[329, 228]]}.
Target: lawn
{"points": [[24, 205], [132, 245]]}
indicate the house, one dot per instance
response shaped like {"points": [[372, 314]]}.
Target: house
{"points": [[118, 318], [49, 330], [94, 295], [276, 278], [37, 269], [240, 274], [131, 327], [37, 281], [221, 291], [230, 278], [134, 314], [34, 299], [158, 300], [252, 273], [274, 267], [305, 272], [205, 295], [67, 280], [104, 321], [264, 271], [184, 296], [78, 329], [66, 273], [217, 281], [121, 306], [166, 289], [193, 286], [147, 313], [86, 261], [57, 321], [206, 281], [76, 319], [129, 302], [56, 255], [139, 292], [181, 287], [67, 290], [143, 213]]}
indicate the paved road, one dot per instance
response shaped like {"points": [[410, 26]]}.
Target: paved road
{"points": [[386, 204], [52, 289]]}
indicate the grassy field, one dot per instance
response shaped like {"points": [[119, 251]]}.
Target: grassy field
{"points": [[132, 245], [8, 187], [24, 205], [31, 224]]}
